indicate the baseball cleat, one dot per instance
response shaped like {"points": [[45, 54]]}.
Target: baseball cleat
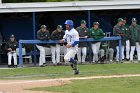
{"points": [[76, 72]]}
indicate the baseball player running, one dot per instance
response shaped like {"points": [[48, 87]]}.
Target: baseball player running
{"points": [[72, 38]]}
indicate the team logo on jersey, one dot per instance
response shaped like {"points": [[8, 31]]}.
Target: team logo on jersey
{"points": [[67, 35], [85, 31]]}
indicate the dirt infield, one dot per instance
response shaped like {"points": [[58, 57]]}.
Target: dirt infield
{"points": [[21, 86]]}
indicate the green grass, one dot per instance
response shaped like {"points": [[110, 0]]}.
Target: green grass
{"points": [[66, 71], [112, 85]]}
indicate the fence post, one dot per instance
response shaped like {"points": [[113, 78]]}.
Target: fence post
{"points": [[120, 50], [90, 49], [34, 35], [20, 55]]}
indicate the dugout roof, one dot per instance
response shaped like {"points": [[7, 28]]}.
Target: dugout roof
{"points": [[68, 6]]}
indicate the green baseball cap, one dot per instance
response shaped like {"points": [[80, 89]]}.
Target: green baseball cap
{"points": [[59, 27], [96, 23], [120, 19], [134, 20], [83, 22]]}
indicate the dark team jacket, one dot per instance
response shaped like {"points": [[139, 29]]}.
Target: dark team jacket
{"points": [[82, 32], [134, 37], [119, 31], [43, 36], [126, 28], [12, 45], [57, 36]]}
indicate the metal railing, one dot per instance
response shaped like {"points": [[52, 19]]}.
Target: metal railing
{"points": [[90, 40]]}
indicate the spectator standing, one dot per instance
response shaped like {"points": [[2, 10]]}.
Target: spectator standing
{"points": [[55, 48], [82, 48], [134, 30], [118, 30], [126, 27], [96, 33], [42, 35]]}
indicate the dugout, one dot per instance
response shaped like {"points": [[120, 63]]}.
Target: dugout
{"points": [[24, 19]]}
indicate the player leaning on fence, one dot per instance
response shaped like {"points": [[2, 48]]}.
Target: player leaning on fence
{"points": [[119, 30], [134, 30], [55, 48], [82, 47], [96, 33], [72, 38], [42, 35]]}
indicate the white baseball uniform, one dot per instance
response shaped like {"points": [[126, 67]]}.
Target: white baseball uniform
{"points": [[10, 54], [137, 47], [127, 49], [95, 49], [55, 50], [42, 55], [71, 37]]}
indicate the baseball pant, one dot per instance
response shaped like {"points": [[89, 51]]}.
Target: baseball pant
{"points": [[127, 49], [132, 52], [55, 50], [138, 50], [82, 50], [95, 50], [10, 55], [133, 49], [111, 54], [65, 50], [101, 53], [71, 52], [117, 55], [42, 55]]}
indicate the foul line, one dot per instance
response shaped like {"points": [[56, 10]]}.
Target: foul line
{"points": [[73, 78]]}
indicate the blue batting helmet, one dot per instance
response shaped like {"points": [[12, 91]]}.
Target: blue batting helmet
{"points": [[69, 22]]}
